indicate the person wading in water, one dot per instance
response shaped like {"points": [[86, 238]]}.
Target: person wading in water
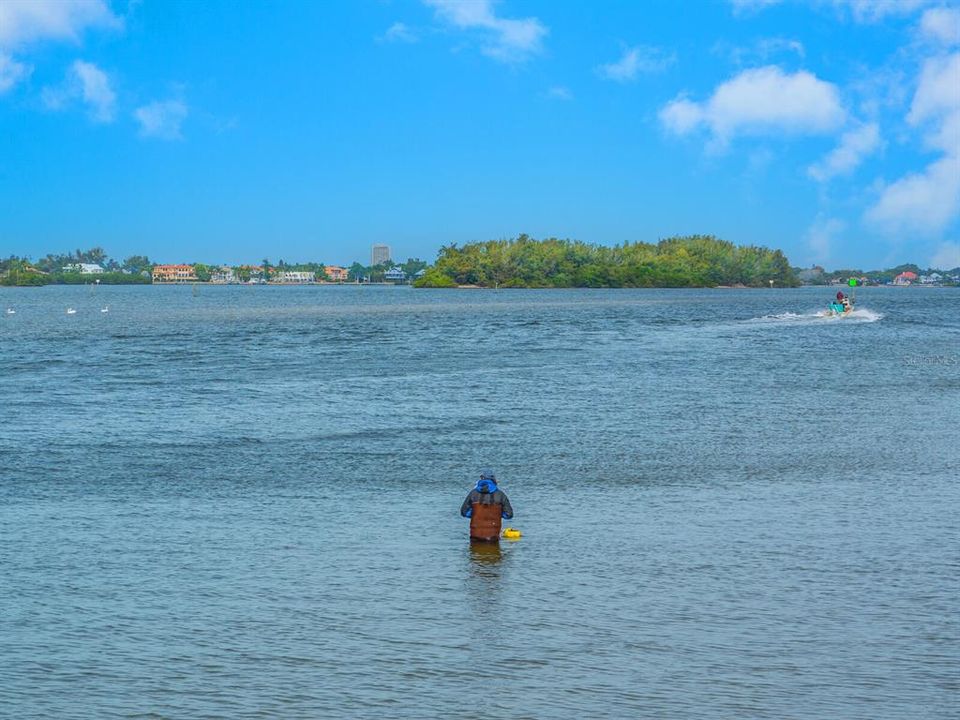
{"points": [[485, 505]]}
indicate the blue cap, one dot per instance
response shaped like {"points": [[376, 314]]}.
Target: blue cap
{"points": [[487, 474]]}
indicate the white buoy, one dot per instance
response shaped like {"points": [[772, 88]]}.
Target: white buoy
{"points": [[71, 311]]}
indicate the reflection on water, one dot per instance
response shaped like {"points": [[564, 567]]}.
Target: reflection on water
{"points": [[485, 558]]}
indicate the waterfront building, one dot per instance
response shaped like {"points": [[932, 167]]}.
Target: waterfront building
{"points": [[336, 273], [379, 254], [174, 274], [224, 275], [394, 274], [84, 268], [294, 276], [905, 278]]}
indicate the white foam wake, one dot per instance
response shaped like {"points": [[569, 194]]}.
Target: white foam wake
{"points": [[857, 315]]}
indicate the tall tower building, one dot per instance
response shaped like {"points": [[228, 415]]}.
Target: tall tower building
{"points": [[379, 254]]}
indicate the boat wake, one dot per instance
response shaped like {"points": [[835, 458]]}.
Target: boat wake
{"points": [[858, 315]]}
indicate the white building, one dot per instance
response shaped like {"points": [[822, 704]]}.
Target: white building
{"points": [[394, 274], [224, 275], [379, 254], [84, 268], [294, 276]]}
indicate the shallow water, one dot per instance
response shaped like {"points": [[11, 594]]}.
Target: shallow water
{"points": [[242, 503]]}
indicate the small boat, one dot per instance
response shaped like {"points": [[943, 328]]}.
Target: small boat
{"points": [[11, 311], [839, 310], [105, 309], [71, 311]]}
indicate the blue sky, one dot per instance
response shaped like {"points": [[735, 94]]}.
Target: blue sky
{"points": [[229, 131]]}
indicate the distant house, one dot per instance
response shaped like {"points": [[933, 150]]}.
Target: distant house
{"points": [[174, 274], [394, 274], [934, 278], [336, 273], [294, 276], [83, 268], [905, 278], [224, 275]]}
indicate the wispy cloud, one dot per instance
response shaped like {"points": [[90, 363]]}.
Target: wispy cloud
{"points": [[862, 11], [559, 92], [504, 39], [162, 119], [11, 72], [871, 11], [25, 21], [928, 201], [855, 145], [744, 7], [760, 101], [822, 235], [636, 60], [88, 83], [947, 256], [761, 52], [941, 24], [400, 32]]}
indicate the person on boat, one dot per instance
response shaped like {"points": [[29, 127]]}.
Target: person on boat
{"points": [[841, 304], [486, 505]]}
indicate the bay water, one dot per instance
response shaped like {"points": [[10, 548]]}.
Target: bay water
{"points": [[241, 502]]}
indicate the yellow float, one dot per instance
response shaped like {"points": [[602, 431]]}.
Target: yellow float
{"points": [[512, 534]]}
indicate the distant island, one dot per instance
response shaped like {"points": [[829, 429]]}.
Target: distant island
{"points": [[695, 261], [523, 262]]}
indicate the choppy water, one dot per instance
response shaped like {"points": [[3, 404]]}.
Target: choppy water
{"points": [[243, 504]]}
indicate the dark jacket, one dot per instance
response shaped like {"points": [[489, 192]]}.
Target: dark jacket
{"points": [[486, 505], [487, 493]]}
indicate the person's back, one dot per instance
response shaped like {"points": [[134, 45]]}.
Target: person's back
{"points": [[486, 505]]}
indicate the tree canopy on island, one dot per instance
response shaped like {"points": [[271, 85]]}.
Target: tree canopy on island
{"points": [[693, 261]]}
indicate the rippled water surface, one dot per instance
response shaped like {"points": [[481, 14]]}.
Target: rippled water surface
{"points": [[242, 503]]}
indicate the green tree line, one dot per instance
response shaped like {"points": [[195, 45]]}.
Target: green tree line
{"points": [[692, 261]]}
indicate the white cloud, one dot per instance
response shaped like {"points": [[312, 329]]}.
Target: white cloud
{"points": [[822, 234], [863, 11], [162, 119], [938, 91], [928, 201], [507, 40], [854, 146], [95, 90], [639, 59], [88, 83], [947, 257], [760, 101], [941, 24], [24, 21], [11, 72], [400, 32], [923, 202], [870, 11], [559, 92]]}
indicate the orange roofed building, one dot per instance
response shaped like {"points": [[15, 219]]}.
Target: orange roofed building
{"points": [[173, 273], [335, 273]]}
